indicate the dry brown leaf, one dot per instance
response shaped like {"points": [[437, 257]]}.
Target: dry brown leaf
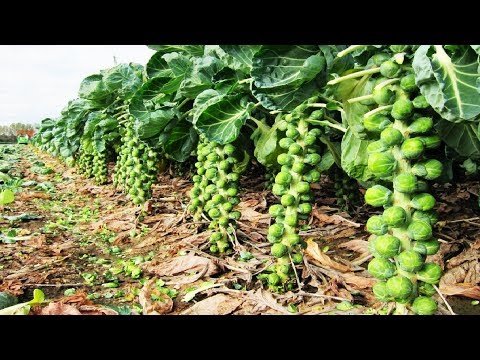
{"points": [[360, 246], [472, 253], [183, 264], [324, 218], [96, 310], [57, 308], [219, 304], [248, 214], [150, 307], [58, 248], [345, 233], [13, 287], [358, 281], [197, 239], [265, 298], [313, 251], [469, 290], [467, 272], [36, 241]]}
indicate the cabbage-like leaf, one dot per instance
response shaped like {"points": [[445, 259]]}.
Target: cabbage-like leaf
{"points": [[354, 157], [222, 120], [195, 50], [464, 137], [181, 141], [200, 76], [157, 66], [450, 84], [266, 148], [241, 56], [122, 79]]}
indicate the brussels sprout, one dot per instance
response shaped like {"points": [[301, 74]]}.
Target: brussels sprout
{"points": [[387, 246], [420, 230], [430, 273], [419, 247], [376, 225], [210, 189], [276, 230], [424, 305], [399, 287], [291, 220], [382, 164], [276, 210], [292, 239], [214, 213], [376, 123], [235, 215], [211, 173], [292, 133], [273, 239], [216, 236], [285, 159], [217, 199], [305, 208], [283, 178], [312, 176], [402, 109], [273, 279], [381, 268], [391, 136], [287, 200], [428, 216], [426, 289], [309, 140], [233, 176], [412, 148], [405, 183], [229, 149], [232, 191], [429, 169], [394, 216], [432, 246], [423, 201], [279, 250], [383, 96], [376, 146], [407, 83], [295, 149], [285, 143], [278, 189], [282, 125], [390, 69], [223, 221], [422, 186], [303, 187], [431, 142], [312, 159], [234, 200], [317, 114], [410, 260], [378, 195], [380, 58], [381, 292], [298, 167], [297, 258], [421, 125], [420, 102]]}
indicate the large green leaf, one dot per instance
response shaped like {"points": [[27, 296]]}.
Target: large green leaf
{"points": [[157, 66], [355, 157], [147, 108], [204, 100], [123, 80], [449, 83], [196, 50], [266, 145], [181, 141], [221, 121], [200, 76], [285, 97], [281, 65], [241, 55], [94, 88], [462, 137]]}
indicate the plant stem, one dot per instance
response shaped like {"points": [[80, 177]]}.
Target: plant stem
{"points": [[354, 75], [328, 123], [377, 110], [385, 83], [360, 98], [349, 49], [317, 105], [245, 81]]}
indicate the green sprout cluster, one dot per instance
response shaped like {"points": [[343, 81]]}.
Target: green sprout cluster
{"points": [[93, 165], [402, 237], [85, 163], [136, 167], [299, 168], [347, 190], [215, 191]]}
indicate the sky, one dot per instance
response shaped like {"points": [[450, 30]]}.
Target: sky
{"points": [[36, 81]]}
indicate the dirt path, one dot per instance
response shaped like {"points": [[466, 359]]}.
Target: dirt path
{"points": [[86, 244]]}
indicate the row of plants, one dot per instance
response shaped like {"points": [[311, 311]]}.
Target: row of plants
{"points": [[391, 119]]}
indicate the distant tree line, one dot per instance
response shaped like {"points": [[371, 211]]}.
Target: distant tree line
{"points": [[9, 133]]}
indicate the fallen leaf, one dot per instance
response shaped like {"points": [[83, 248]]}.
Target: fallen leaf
{"points": [[360, 246], [358, 281], [468, 290], [322, 259], [265, 298], [150, 307], [183, 264], [248, 214], [96, 310], [57, 308], [219, 304]]}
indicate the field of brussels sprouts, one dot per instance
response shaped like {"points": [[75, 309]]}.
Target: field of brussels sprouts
{"points": [[252, 179]]}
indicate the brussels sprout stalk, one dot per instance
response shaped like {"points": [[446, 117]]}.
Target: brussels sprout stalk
{"points": [[349, 50], [354, 75]]}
